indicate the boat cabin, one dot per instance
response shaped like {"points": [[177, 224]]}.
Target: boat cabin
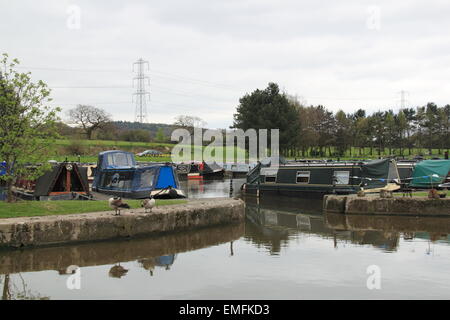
{"points": [[118, 174]]}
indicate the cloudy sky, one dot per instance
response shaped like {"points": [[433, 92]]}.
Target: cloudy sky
{"points": [[204, 55]]}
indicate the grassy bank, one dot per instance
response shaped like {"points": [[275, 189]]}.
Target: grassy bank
{"points": [[45, 208], [93, 159], [419, 194]]}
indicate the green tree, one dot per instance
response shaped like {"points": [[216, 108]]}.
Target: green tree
{"points": [[269, 109], [160, 136], [390, 134], [343, 134], [27, 127], [402, 129], [137, 135]]}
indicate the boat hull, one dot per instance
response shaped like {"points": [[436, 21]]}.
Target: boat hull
{"points": [[157, 194], [294, 191]]}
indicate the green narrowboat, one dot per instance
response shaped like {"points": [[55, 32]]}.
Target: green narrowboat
{"points": [[320, 178]]}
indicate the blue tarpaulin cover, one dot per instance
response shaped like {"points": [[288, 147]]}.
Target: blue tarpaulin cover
{"points": [[2, 168], [166, 178]]}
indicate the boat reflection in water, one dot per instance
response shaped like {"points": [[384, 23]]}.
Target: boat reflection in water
{"points": [[150, 252], [162, 261], [392, 227], [273, 225]]}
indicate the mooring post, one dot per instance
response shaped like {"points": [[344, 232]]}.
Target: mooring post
{"points": [[231, 187]]}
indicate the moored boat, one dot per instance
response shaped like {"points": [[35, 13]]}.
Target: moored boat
{"points": [[319, 178], [202, 169], [63, 181], [118, 174]]}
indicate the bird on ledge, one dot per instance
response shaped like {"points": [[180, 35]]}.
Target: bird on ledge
{"points": [[148, 204], [116, 203]]}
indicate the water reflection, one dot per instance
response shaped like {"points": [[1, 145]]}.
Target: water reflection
{"points": [[117, 271], [205, 188], [163, 262], [385, 231], [273, 225], [150, 252], [286, 249]]}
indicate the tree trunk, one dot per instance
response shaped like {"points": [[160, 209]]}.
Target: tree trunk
{"points": [[89, 133], [9, 193]]}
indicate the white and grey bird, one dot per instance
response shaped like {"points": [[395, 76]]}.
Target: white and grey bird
{"points": [[148, 204], [116, 203]]}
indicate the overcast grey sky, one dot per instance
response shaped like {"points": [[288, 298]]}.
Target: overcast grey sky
{"points": [[206, 54]]}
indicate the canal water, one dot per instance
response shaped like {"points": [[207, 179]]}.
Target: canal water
{"points": [[286, 249]]}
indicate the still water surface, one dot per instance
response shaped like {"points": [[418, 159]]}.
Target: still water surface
{"points": [[286, 249]]}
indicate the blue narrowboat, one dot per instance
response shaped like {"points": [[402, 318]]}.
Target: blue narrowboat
{"points": [[118, 174]]}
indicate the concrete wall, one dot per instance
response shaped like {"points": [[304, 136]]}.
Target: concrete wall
{"points": [[417, 206], [48, 230]]}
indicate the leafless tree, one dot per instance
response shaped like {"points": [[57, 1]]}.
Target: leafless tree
{"points": [[189, 122], [89, 118]]}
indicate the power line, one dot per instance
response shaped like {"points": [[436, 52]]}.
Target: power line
{"points": [[156, 73], [90, 87], [162, 74]]}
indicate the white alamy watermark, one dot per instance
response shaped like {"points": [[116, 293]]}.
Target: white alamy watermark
{"points": [[74, 280], [237, 146], [73, 21], [374, 279], [373, 21]]}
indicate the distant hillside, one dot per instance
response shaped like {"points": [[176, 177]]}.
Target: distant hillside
{"points": [[152, 127]]}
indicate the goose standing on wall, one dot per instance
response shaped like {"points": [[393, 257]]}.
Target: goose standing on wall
{"points": [[148, 204], [116, 203]]}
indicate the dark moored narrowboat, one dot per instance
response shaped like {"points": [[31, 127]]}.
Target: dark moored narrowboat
{"points": [[319, 178], [211, 170], [63, 181], [201, 170], [118, 174]]}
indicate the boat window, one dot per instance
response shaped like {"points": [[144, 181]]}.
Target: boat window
{"points": [[342, 177], [120, 160], [147, 178], [270, 178], [303, 176], [117, 180]]}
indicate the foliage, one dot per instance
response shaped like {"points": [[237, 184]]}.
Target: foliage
{"points": [[160, 136], [138, 135], [269, 109], [76, 147], [319, 132], [28, 126]]}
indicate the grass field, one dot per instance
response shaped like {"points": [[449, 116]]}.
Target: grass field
{"points": [[364, 153], [113, 143], [45, 208], [419, 194], [93, 159], [89, 149]]}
